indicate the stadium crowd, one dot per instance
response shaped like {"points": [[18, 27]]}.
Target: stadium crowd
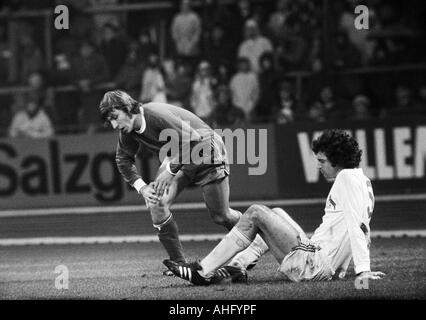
{"points": [[230, 62]]}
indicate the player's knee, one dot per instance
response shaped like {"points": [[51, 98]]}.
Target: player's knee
{"points": [[221, 219], [158, 208], [279, 210], [254, 209], [256, 212]]}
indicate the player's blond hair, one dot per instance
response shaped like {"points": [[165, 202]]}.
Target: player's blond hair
{"points": [[120, 100]]}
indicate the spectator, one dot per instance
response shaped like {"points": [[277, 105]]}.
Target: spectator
{"points": [[315, 61], [114, 48], [5, 100], [309, 13], [214, 12], [422, 98], [316, 113], [83, 23], [344, 55], [32, 122], [39, 90], [179, 87], [89, 69], [153, 82], [186, 32], [65, 47], [277, 21], [102, 18], [37, 85], [242, 12], [202, 95], [169, 69], [268, 82], [288, 109], [129, 76], [30, 56], [220, 48], [405, 104], [10, 6], [244, 87], [328, 107], [254, 45], [66, 102], [222, 74], [62, 73], [361, 106], [226, 113], [292, 48], [392, 38], [315, 82], [5, 56], [147, 45]]}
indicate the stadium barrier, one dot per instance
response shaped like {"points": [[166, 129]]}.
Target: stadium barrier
{"points": [[394, 155], [80, 170]]}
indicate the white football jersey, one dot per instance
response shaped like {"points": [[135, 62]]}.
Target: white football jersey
{"points": [[345, 232]]}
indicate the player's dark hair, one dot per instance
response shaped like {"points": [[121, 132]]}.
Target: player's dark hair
{"points": [[120, 100], [340, 148]]}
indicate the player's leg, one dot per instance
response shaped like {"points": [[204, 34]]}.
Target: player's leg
{"points": [[256, 248], [278, 233], [163, 221], [284, 215], [216, 197]]}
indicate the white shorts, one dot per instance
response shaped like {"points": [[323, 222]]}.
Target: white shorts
{"points": [[307, 262]]}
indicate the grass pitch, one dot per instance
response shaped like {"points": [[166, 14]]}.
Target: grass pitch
{"points": [[133, 271]]}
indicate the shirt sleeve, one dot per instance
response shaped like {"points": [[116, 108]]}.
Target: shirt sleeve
{"points": [[351, 200], [125, 158]]}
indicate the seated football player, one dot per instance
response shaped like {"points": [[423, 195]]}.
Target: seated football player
{"points": [[343, 235]]}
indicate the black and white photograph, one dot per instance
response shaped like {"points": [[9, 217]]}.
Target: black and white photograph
{"points": [[213, 157]]}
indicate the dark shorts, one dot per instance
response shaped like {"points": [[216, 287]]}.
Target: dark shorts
{"points": [[216, 169], [204, 174]]}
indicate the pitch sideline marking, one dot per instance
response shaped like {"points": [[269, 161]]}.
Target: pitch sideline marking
{"points": [[190, 206], [153, 238]]}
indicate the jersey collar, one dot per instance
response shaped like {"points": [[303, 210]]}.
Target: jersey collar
{"points": [[143, 125]]}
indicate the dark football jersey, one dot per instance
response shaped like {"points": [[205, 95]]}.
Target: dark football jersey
{"points": [[165, 124]]}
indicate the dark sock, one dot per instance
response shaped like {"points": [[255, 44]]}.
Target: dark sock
{"points": [[169, 237]]}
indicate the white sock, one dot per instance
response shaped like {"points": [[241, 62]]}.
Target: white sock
{"points": [[256, 249], [231, 244]]}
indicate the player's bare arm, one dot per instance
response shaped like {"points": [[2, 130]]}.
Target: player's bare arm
{"points": [[371, 275]]}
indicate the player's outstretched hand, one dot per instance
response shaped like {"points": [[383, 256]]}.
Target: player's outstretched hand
{"points": [[148, 192], [162, 183], [373, 275]]}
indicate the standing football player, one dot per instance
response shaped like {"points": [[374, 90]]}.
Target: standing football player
{"points": [[343, 235], [181, 138]]}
